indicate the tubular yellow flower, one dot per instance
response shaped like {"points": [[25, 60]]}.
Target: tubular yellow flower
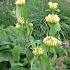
{"points": [[51, 41], [18, 26], [38, 51], [55, 6], [52, 5], [21, 20], [20, 2], [52, 18]]}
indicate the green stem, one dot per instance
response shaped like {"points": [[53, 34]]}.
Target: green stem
{"points": [[41, 65]]}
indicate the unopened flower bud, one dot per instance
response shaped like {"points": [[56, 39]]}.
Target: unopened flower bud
{"points": [[18, 26]]}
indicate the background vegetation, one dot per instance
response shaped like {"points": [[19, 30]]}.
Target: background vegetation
{"points": [[37, 11]]}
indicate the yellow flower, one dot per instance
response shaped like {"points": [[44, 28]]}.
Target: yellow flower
{"points": [[55, 6], [21, 20], [38, 51], [51, 41], [52, 5], [18, 26], [52, 18], [20, 2]]}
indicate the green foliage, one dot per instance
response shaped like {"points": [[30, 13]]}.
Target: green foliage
{"points": [[15, 43], [16, 53], [45, 59], [11, 42], [6, 17], [21, 11], [17, 68], [54, 28], [38, 10]]}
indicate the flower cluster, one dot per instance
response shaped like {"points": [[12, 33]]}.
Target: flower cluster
{"points": [[20, 22], [51, 41], [52, 18], [20, 2], [38, 51], [52, 5]]}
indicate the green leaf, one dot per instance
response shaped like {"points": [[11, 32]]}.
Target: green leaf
{"points": [[16, 53], [31, 27], [32, 42], [54, 28], [16, 64], [21, 11], [14, 36], [60, 50], [28, 29], [52, 50], [17, 68], [5, 56], [25, 12], [36, 64], [5, 47], [46, 60], [3, 37]]}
